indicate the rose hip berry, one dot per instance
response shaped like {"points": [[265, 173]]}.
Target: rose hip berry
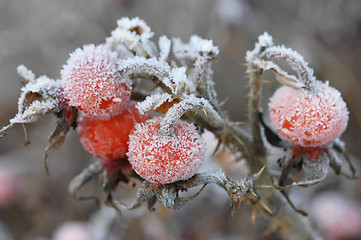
{"points": [[308, 119], [92, 83], [108, 139], [163, 159]]}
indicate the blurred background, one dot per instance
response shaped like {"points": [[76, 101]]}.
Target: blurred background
{"points": [[40, 34]]}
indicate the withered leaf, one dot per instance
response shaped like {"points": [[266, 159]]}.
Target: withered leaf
{"points": [[57, 137]]}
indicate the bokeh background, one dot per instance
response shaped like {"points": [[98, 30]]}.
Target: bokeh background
{"points": [[40, 34]]}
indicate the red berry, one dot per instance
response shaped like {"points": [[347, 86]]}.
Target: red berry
{"points": [[92, 83], [163, 159], [306, 118], [108, 139]]}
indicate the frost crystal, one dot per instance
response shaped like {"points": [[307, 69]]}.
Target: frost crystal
{"points": [[160, 159]]}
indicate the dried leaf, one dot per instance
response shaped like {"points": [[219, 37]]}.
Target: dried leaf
{"points": [[57, 137]]}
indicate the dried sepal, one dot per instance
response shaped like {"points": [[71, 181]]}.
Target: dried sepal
{"points": [[198, 55], [38, 97], [92, 171], [294, 59], [282, 76], [26, 74], [315, 170], [135, 34], [338, 147], [197, 46], [164, 47], [265, 52]]}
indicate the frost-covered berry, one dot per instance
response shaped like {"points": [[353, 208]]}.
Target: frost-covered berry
{"points": [[108, 139], [163, 159], [92, 83], [308, 119]]}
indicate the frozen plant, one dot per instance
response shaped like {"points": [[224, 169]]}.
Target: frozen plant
{"points": [[166, 151]]}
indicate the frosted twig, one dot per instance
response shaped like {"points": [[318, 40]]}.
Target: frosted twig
{"points": [[175, 79], [188, 102], [168, 194]]}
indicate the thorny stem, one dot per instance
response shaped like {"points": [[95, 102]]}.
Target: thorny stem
{"points": [[291, 224], [254, 100]]}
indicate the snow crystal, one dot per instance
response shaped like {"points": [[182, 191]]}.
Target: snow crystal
{"points": [[164, 160], [92, 82], [306, 118]]}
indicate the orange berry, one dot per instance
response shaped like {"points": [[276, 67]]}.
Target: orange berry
{"points": [[92, 83], [308, 119], [108, 139], [163, 159]]}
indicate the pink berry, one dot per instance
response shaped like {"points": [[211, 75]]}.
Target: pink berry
{"points": [[72, 231], [92, 83], [108, 139], [9, 188], [308, 119], [163, 159], [337, 216]]}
